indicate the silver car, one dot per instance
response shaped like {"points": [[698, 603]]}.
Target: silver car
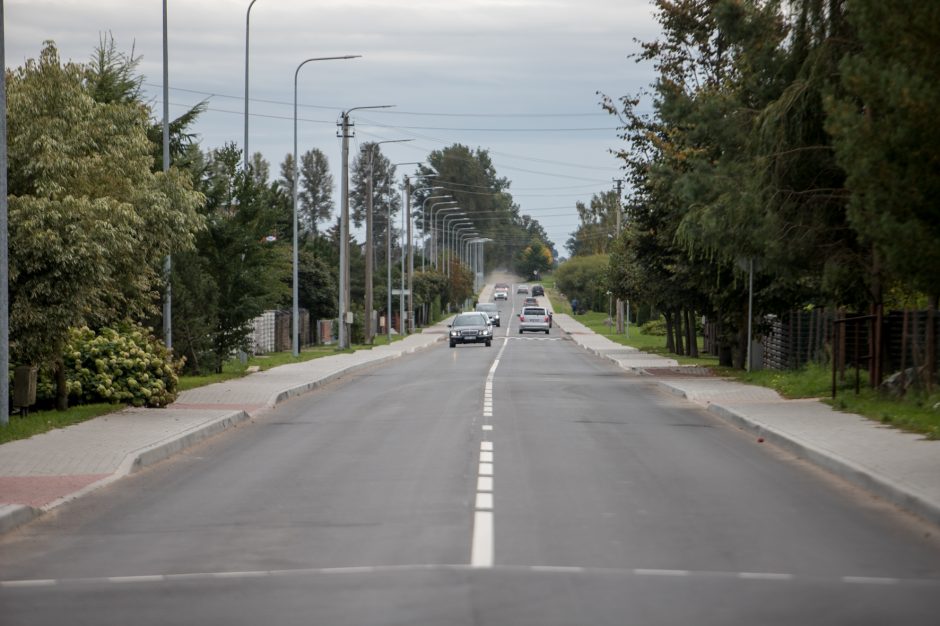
{"points": [[534, 318], [490, 309]]}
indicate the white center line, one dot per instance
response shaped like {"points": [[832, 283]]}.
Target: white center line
{"points": [[481, 553], [484, 501]]}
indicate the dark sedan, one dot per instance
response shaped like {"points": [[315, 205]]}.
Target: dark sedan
{"points": [[471, 328]]}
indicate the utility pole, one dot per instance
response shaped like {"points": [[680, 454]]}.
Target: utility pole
{"points": [[411, 258], [344, 237], [401, 294], [369, 269], [620, 319], [388, 261]]}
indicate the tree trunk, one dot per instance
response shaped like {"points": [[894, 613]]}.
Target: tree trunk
{"points": [[677, 328], [692, 335], [61, 387], [931, 341], [670, 343]]}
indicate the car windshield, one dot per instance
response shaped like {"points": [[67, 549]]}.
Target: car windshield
{"points": [[469, 320]]}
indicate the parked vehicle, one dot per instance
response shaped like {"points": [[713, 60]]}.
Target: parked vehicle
{"points": [[471, 327], [534, 318], [490, 309]]}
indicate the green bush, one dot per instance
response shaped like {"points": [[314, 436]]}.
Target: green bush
{"points": [[654, 327], [124, 365]]}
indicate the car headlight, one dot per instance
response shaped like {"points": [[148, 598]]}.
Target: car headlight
{"points": [[485, 333], [455, 333]]}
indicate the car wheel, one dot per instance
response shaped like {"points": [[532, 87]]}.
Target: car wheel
{"points": [[453, 344], [546, 331], [520, 331], [488, 343]]}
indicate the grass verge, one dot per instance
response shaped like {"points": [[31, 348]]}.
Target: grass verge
{"points": [[917, 412], [42, 421]]}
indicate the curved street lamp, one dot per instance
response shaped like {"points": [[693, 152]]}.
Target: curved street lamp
{"points": [[295, 321], [424, 216], [446, 232], [456, 234], [435, 234], [432, 243], [247, 24]]}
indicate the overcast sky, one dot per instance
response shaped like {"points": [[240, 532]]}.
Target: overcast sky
{"points": [[515, 77]]}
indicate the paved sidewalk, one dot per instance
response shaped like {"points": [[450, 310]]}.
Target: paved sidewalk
{"points": [[899, 467], [45, 471]]}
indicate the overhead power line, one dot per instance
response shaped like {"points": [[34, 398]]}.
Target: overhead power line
{"points": [[213, 94]]}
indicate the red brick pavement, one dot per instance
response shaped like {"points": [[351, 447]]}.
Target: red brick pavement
{"points": [[37, 491]]}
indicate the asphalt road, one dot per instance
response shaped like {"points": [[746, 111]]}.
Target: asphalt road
{"points": [[524, 483]]}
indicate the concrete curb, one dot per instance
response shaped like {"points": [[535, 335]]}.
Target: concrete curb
{"points": [[860, 476], [13, 516]]}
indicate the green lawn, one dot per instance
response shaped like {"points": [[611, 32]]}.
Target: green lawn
{"points": [[41, 421], [917, 412]]}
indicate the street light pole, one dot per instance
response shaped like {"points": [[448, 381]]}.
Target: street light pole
{"points": [[295, 184], [369, 329], [434, 233], [4, 240], [456, 237], [167, 261], [247, 24], [424, 216], [444, 241], [411, 257]]}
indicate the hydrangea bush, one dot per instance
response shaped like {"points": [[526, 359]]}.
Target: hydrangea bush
{"points": [[124, 365]]}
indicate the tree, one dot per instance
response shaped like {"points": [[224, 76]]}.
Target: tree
{"points": [[597, 226], [236, 272], [470, 177], [535, 259], [584, 278], [886, 138], [315, 196], [383, 195], [89, 221]]}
